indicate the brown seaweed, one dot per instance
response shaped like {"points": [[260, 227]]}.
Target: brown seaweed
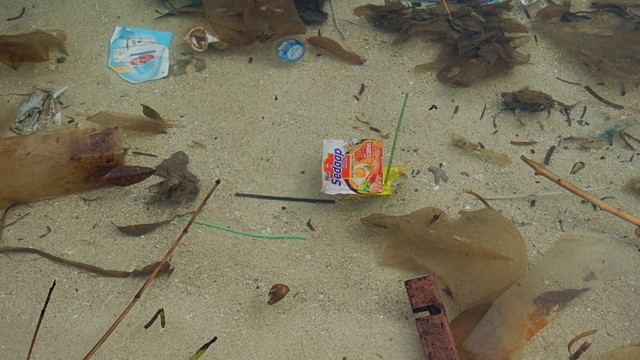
{"points": [[606, 41], [242, 22], [128, 175], [48, 164], [478, 255], [624, 352], [573, 266], [150, 121], [179, 183], [144, 271], [477, 42], [479, 149], [336, 49], [551, 11], [30, 47]]}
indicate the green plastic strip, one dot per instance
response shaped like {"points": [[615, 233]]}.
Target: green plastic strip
{"points": [[395, 139], [246, 233]]}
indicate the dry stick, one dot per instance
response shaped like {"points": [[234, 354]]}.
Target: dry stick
{"points": [[539, 170], [44, 308], [83, 266], [471, 192], [578, 337], [160, 265]]}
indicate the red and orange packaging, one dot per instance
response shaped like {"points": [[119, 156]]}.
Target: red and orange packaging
{"points": [[352, 167]]}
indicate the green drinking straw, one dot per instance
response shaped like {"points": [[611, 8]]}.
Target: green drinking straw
{"points": [[246, 233], [395, 139]]}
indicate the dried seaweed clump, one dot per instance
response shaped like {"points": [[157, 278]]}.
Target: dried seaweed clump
{"points": [[179, 183], [476, 41], [242, 22]]}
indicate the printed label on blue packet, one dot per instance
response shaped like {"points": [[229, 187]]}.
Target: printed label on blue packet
{"points": [[139, 55]]}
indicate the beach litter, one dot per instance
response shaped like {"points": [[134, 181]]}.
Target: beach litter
{"points": [[40, 110], [139, 55], [354, 168], [431, 318]]}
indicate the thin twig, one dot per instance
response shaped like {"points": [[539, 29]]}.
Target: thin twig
{"points": [[601, 99], [471, 192], [539, 194], [160, 313], [84, 266], [578, 337], [539, 170], [16, 220], [19, 15], [446, 8], [581, 350], [160, 265], [335, 20], [44, 308]]}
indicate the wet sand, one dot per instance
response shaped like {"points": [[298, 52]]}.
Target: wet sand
{"points": [[262, 124]]}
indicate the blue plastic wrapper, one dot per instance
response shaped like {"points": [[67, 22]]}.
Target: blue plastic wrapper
{"points": [[139, 55]]}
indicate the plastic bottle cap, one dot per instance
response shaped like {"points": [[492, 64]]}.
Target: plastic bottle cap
{"points": [[290, 50]]}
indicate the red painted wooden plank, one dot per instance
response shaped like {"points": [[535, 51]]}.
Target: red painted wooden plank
{"points": [[431, 319]]}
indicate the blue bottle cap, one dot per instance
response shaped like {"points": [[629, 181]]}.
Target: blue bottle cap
{"points": [[290, 50]]}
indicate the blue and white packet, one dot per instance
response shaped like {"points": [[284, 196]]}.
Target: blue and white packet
{"points": [[139, 55]]}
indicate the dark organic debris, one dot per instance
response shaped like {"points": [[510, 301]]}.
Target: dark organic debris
{"points": [[141, 229], [551, 11], [126, 175], [203, 349], [530, 100], [585, 345], [554, 301], [163, 320], [310, 225], [150, 112], [18, 16], [242, 22], [179, 183], [480, 150], [601, 99], [475, 42], [333, 47], [150, 121], [42, 312], [144, 271], [277, 293], [310, 11]]}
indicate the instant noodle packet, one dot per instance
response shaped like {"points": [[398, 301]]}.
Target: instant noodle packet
{"points": [[355, 168]]}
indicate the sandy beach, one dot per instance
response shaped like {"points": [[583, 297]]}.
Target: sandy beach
{"points": [[258, 126]]}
